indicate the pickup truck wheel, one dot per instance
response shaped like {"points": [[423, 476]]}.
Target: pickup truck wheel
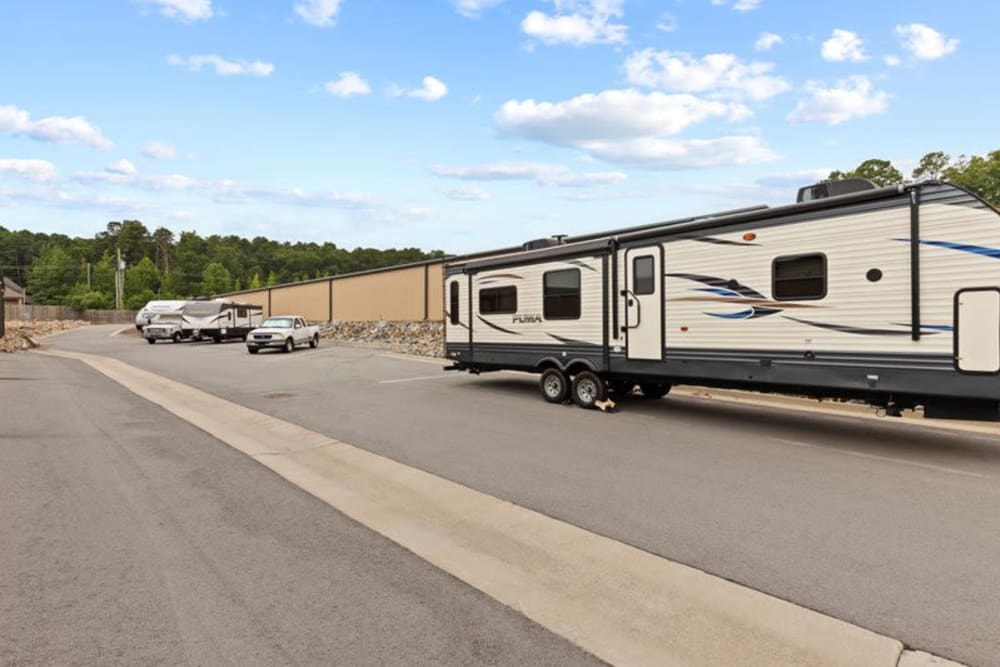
{"points": [[151, 341], [654, 390], [314, 341], [554, 385], [289, 345], [177, 337], [253, 350], [588, 388]]}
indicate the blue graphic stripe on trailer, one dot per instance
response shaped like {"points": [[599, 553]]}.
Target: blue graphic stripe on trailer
{"points": [[721, 291], [853, 330], [930, 327], [963, 247]]}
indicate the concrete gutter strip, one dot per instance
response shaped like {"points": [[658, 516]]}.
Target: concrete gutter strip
{"points": [[922, 659], [623, 605]]}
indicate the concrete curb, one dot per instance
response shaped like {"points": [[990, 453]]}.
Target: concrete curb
{"points": [[623, 605]]}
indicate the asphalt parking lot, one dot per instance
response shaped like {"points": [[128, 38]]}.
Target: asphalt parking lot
{"points": [[887, 525]]}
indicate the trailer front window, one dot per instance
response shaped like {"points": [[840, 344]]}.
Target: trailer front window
{"points": [[561, 300], [453, 302]]}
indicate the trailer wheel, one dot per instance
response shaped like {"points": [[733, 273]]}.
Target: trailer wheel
{"points": [[554, 385], [654, 390], [289, 345], [314, 342], [151, 341], [621, 388], [588, 388]]}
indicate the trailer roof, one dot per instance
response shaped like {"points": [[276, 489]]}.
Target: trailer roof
{"points": [[582, 244]]}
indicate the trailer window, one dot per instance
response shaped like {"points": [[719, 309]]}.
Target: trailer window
{"points": [[561, 299], [498, 300], [799, 277], [643, 280], [453, 302], [241, 312]]}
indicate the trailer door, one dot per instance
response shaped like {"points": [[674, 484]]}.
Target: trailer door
{"points": [[643, 296], [977, 330]]}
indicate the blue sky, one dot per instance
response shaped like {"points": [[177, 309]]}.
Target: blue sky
{"points": [[467, 124]]}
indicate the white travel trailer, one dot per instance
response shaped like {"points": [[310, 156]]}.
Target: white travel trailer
{"points": [[890, 296], [219, 319], [149, 313]]}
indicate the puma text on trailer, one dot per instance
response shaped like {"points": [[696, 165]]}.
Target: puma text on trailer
{"points": [[890, 295]]}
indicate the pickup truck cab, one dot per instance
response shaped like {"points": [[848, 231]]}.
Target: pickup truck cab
{"points": [[284, 332]]}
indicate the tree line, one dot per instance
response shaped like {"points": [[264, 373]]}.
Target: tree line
{"points": [[80, 272]]}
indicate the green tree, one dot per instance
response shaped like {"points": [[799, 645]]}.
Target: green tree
{"points": [[879, 172], [216, 280], [143, 277], [932, 165], [272, 279], [254, 281], [980, 174], [53, 276]]}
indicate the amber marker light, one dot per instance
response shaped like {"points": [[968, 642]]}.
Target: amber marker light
{"points": [[684, 328], [749, 236]]}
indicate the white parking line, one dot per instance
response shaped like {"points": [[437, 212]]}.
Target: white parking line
{"points": [[889, 459]]}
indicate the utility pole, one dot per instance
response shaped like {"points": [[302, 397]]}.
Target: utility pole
{"points": [[88, 277], [119, 281]]}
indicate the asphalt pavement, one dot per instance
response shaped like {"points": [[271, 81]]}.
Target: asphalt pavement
{"points": [[129, 537], [892, 526]]}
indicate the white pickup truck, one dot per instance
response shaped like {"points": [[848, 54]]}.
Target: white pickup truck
{"points": [[284, 332]]}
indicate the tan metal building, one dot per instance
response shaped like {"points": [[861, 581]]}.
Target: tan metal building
{"points": [[410, 292]]}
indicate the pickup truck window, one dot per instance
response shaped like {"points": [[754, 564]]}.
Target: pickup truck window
{"points": [[277, 323]]}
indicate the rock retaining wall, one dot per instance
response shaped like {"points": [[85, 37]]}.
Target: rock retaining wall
{"points": [[421, 338], [20, 335]]}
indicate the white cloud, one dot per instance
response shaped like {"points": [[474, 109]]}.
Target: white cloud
{"points": [[348, 84], [893, 60], [844, 45], [33, 170], [185, 10], [715, 72], [633, 128], [924, 42], [667, 23], [746, 5], [55, 129], [158, 150], [578, 22], [431, 90], [320, 13], [547, 175], [473, 8], [222, 66], [767, 41], [855, 97], [123, 172], [473, 193], [122, 167], [660, 153]]}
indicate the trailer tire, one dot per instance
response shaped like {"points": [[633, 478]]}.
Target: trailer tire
{"points": [[314, 341], [289, 345], [654, 390], [554, 385], [588, 388]]}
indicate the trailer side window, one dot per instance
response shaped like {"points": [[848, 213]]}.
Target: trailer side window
{"points": [[561, 299], [643, 280], [241, 312], [498, 300], [799, 277], [453, 302]]}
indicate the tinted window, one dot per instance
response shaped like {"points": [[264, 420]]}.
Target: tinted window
{"points": [[498, 300], [643, 280], [241, 312], [453, 302], [562, 294], [799, 277]]}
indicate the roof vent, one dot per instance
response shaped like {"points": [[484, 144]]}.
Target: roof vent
{"points": [[828, 189], [547, 242]]}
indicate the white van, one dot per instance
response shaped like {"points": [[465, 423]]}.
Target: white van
{"points": [[149, 313]]}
